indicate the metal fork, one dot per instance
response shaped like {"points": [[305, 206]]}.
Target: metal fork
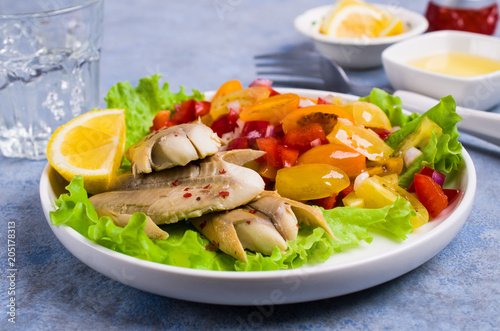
{"points": [[306, 70]]}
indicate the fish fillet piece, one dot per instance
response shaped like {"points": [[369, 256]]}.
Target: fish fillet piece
{"points": [[239, 229], [267, 221], [174, 146], [309, 215], [168, 196]]}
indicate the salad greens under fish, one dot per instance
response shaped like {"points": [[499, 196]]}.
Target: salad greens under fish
{"points": [[186, 247]]}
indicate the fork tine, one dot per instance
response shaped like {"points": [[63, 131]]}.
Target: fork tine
{"points": [[298, 72], [288, 56], [299, 84]]}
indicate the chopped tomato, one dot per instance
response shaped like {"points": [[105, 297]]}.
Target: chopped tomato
{"points": [[361, 139], [225, 124], [301, 138], [267, 172], [272, 91], [452, 194], [160, 120], [310, 181], [272, 109], [201, 108], [288, 156], [338, 155], [271, 147], [430, 194], [244, 97], [254, 130], [228, 87], [326, 203], [238, 143], [184, 112], [384, 167], [325, 115]]}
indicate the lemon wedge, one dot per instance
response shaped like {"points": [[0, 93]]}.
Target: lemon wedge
{"points": [[357, 19], [90, 145], [395, 28]]}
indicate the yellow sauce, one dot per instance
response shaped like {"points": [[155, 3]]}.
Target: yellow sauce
{"points": [[457, 64]]}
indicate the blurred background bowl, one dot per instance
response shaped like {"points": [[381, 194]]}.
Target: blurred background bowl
{"points": [[357, 53], [479, 92]]}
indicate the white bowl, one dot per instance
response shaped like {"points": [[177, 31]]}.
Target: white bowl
{"points": [[346, 272], [478, 92], [357, 53]]}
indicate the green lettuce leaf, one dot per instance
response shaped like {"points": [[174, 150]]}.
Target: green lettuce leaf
{"points": [[185, 247], [443, 153], [141, 104]]}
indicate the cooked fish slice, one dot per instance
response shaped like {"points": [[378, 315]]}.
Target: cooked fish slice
{"points": [[239, 229], [279, 211], [210, 166], [306, 214], [174, 146], [267, 221], [183, 192]]}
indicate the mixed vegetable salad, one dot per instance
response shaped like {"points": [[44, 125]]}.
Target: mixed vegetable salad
{"points": [[365, 163]]}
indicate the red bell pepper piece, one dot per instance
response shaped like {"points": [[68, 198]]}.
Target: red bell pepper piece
{"points": [[430, 194], [288, 156], [302, 137], [271, 147], [326, 203], [436, 176], [347, 190]]}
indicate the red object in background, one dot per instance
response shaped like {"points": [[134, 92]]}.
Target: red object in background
{"points": [[478, 16]]}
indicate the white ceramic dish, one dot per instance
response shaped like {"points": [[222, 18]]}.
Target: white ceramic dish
{"points": [[347, 272], [357, 53], [479, 92]]}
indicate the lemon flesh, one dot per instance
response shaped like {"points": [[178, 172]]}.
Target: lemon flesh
{"points": [[90, 145], [357, 19]]}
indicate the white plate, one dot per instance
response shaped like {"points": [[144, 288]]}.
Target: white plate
{"points": [[357, 269]]}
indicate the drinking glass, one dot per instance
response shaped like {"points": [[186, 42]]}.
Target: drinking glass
{"points": [[49, 69]]}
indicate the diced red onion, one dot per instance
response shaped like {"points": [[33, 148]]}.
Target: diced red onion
{"points": [[269, 130], [305, 103], [316, 142], [411, 155], [436, 176], [359, 179], [395, 128], [261, 82]]}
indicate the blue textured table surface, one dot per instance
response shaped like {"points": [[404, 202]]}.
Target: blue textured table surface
{"points": [[201, 44]]}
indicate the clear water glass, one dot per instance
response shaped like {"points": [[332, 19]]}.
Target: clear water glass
{"points": [[49, 69]]}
